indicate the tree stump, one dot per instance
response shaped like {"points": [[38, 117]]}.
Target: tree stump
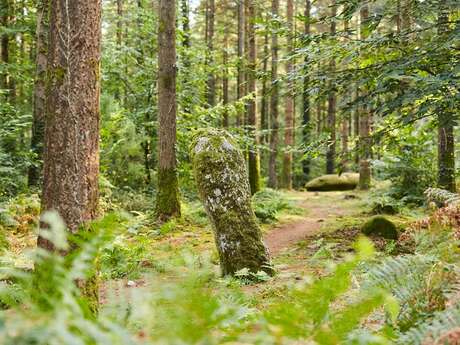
{"points": [[222, 180]]}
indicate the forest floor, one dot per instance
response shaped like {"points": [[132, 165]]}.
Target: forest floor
{"points": [[320, 228]]}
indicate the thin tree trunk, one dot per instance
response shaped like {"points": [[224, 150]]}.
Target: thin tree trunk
{"points": [[5, 45], [356, 120], [272, 173], [253, 156], [364, 119], [241, 60], [185, 8], [186, 100], [211, 83], [332, 104], [289, 106], [225, 88], [446, 120], [306, 118], [39, 97], [346, 118], [168, 204], [71, 159], [264, 101]]}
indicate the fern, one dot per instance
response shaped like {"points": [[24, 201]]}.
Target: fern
{"points": [[442, 197], [312, 312], [46, 304], [430, 331]]}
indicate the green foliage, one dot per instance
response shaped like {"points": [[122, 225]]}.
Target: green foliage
{"points": [[122, 260], [4, 244], [410, 166], [268, 203], [14, 160], [424, 284], [48, 306], [312, 315], [383, 203]]}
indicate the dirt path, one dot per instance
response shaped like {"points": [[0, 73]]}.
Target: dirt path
{"points": [[320, 208]]}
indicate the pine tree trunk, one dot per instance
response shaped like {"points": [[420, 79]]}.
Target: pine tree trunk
{"points": [[185, 9], [446, 120], [241, 61], [289, 106], [272, 173], [306, 118], [346, 118], [221, 177], [356, 121], [332, 104], [167, 205], [225, 87], [264, 109], [38, 124], [364, 119], [253, 156], [211, 83], [71, 155], [5, 44]]}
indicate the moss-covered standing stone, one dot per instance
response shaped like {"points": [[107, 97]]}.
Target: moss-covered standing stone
{"points": [[222, 180]]}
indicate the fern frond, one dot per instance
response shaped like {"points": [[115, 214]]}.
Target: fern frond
{"points": [[430, 331]]}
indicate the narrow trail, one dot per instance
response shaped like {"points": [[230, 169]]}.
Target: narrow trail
{"points": [[320, 208]]}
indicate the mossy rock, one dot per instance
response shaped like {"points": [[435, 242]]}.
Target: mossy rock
{"points": [[331, 183], [381, 227], [221, 177]]}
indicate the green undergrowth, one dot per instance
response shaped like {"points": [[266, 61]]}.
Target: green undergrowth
{"points": [[341, 290], [270, 204]]}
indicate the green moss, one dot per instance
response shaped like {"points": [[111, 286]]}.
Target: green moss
{"points": [[220, 173], [254, 172], [380, 226], [167, 203], [348, 181]]}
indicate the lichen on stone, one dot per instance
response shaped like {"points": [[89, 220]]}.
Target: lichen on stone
{"points": [[220, 173]]}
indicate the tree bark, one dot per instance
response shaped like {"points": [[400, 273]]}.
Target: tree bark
{"points": [[241, 61], [364, 119], [168, 204], [211, 83], [346, 118], [446, 120], [289, 105], [221, 177], [71, 155], [253, 156], [5, 45], [38, 124], [264, 109], [306, 115], [274, 125], [225, 82], [332, 104]]}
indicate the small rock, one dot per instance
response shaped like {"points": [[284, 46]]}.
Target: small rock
{"points": [[131, 283]]}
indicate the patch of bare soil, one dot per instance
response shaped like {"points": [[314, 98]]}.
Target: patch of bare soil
{"points": [[285, 236]]}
